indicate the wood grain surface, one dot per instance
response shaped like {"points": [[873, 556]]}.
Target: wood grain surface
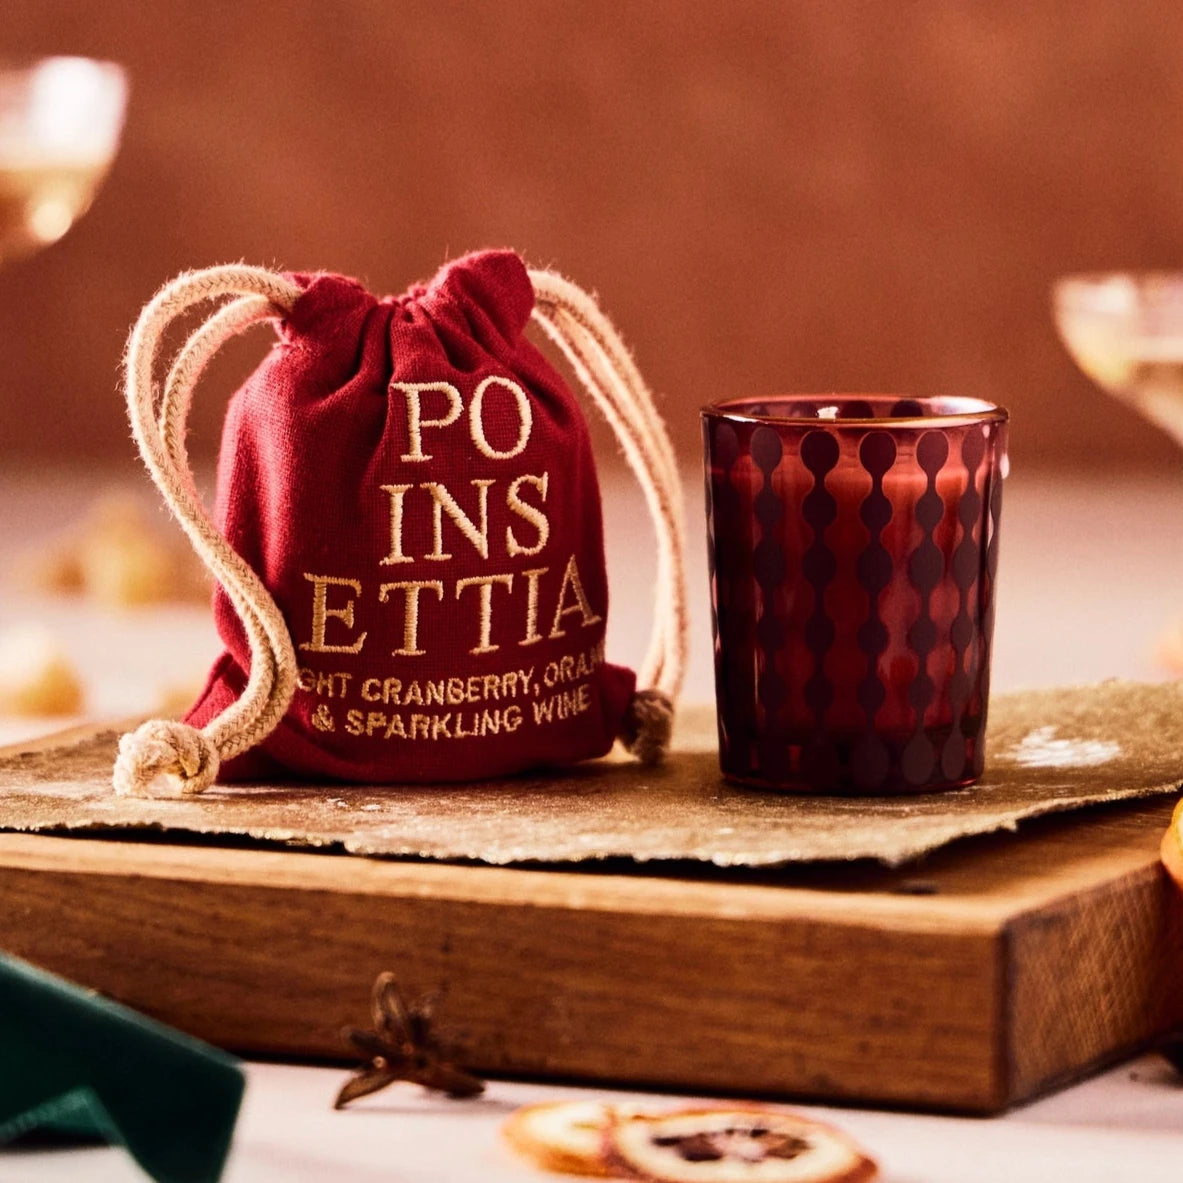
{"points": [[1001, 967]]}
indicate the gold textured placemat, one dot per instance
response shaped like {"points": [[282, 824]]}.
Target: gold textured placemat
{"points": [[1049, 751]]}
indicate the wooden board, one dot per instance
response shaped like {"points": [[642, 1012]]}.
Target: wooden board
{"points": [[1000, 968]]}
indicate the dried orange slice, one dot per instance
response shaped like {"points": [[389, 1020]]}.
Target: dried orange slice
{"points": [[729, 1145], [1172, 846], [563, 1136]]}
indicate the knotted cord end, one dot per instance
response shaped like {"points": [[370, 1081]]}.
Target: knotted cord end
{"points": [[171, 759], [165, 758], [648, 725]]}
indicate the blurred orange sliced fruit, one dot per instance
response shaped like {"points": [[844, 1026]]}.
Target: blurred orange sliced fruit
{"points": [[1172, 846], [36, 674]]}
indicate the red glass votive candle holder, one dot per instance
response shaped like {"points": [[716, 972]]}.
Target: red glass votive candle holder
{"points": [[853, 546]]}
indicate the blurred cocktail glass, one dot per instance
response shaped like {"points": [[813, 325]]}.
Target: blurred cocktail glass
{"points": [[60, 122], [1125, 331]]}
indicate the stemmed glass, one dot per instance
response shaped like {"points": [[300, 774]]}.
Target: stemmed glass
{"points": [[1125, 331], [60, 122]]}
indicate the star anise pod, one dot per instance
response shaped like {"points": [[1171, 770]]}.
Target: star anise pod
{"points": [[402, 1046]]}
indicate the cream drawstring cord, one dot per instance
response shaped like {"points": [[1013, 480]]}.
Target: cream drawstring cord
{"points": [[165, 757], [573, 321]]}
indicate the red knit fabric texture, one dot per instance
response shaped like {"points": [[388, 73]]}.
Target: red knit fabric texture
{"points": [[414, 483]]}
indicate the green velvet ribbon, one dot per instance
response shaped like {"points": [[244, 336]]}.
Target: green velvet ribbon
{"points": [[77, 1065]]}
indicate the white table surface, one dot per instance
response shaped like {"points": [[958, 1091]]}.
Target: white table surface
{"points": [[1091, 573]]}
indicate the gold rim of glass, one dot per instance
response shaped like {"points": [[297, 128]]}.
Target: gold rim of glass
{"points": [[971, 411]]}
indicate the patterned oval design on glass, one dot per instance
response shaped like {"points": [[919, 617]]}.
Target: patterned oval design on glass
{"points": [[853, 569]]}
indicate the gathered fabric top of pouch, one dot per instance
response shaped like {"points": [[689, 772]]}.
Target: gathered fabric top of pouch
{"points": [[477, 308]]}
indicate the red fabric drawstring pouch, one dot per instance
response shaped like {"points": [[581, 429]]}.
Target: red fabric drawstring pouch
{"points": [[407, 537]]}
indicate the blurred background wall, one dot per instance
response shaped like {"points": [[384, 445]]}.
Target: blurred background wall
{"points": [[767, 196]]}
